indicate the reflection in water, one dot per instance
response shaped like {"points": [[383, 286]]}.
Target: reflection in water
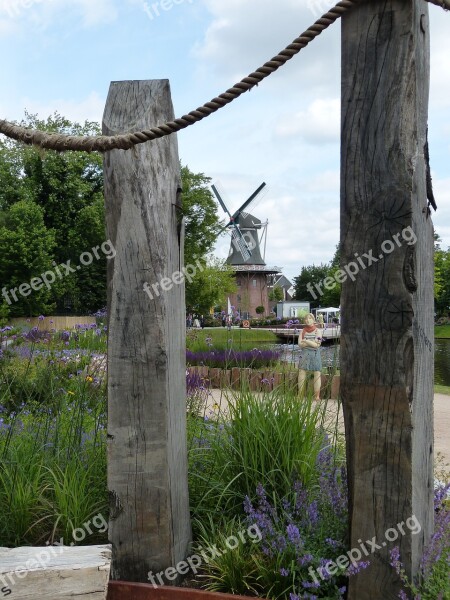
{"points": [[330, 358]]}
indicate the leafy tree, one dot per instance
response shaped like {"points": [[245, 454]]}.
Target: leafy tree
{"points": [[333, 297], [200, 212], [305, 289], [305, 282], [441, 278], [68, 188], [63, 183], [87, 289], [26, 251], [276, 294], [210, 286]]}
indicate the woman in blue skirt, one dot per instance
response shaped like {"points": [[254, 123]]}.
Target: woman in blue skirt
{"points": [[309, 340]]}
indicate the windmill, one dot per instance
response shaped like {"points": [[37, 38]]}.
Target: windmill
{"points": [[245, 244]]}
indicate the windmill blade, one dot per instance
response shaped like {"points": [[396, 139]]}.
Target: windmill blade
{"points": [[249, 201], [227, 226], [221, 202], [241, 243]]}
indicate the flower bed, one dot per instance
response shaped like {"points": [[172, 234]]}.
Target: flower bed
{"points": [[227, 359]]}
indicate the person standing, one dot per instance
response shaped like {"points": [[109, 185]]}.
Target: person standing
{"points": [[202, 322], [309, 340]]}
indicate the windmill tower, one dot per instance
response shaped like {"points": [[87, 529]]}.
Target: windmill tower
{"points": [[252, 274]]}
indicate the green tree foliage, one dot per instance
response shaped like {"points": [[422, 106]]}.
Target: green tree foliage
{"points": [[68, 188], [26, 251], [305, 283], [87, 288], [441, 278], [309, 276], [200, 214], [210, 287], [276, 294]]}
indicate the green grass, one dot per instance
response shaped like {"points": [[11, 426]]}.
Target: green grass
{"points": [[442, 331], [266, 439], [200, 340], [442, 389]]}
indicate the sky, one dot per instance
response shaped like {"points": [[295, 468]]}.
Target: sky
{"points": [[61, 55]]}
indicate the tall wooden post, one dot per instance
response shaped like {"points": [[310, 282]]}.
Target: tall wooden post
{"points": [[387, 305], [147, 456]]}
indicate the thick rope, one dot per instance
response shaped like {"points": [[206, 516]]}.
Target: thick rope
{"points": [[61, 143]]}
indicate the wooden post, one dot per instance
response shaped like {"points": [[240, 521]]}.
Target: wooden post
{"points": [[387, 310], [147, 455]]}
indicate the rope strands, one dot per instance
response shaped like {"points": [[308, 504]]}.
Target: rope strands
{"points": [[62, 143]]}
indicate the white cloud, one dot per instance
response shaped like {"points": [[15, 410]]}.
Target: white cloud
{"points": [[318, 124], [19, 15], [244, 35], [89, 109]]}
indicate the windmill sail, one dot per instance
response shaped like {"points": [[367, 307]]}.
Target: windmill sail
{"points": [[239, 242], [241, 250]]}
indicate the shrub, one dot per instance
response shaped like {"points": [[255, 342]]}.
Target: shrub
{"points": [[265, 439]]}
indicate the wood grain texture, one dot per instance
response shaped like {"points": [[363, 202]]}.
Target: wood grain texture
{"points": [[147, 455], [387, 324], [55, 572]]}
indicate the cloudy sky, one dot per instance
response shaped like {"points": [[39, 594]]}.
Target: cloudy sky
{"points": [[60, 55]]}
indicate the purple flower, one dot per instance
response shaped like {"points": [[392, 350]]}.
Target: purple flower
{"points": [[41, 317], [293, 534], [394, 559], [356, 568], [284, 572]]}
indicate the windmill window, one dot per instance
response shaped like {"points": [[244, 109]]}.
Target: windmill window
{"points": [[254, 282], [238, 298]]}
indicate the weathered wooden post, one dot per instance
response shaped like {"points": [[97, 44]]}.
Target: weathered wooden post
{"points": [[387, 305], [147, 456]]}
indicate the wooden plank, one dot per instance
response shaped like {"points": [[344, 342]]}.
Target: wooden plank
{"points": [[55, 572], [147, 456], [386, 366]]}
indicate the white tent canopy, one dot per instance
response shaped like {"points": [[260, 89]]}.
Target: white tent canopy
{"points": [[328, 310]]}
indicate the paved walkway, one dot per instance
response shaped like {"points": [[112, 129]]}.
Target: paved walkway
{"points": [[441, 420]]}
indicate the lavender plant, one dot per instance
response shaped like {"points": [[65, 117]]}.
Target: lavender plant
{"points": [[226, 359], [433, 581]]}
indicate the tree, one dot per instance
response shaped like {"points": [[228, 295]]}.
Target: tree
{"points": [[304, 283], [87, 288], [210, 287], [332, 297], [68, 187], [441, 278], [26, 251], [276, 294], [202, 224]]}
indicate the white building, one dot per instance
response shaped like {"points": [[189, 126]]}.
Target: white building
{"points": [[292, 309]]}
